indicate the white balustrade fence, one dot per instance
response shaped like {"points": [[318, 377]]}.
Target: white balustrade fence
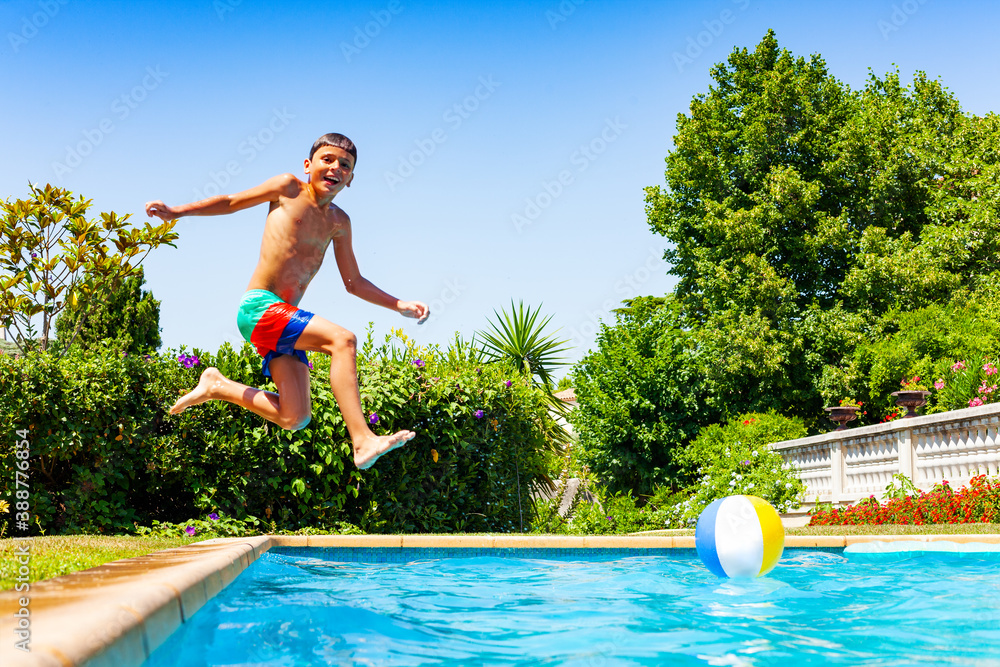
{"points": [[845, 466]]}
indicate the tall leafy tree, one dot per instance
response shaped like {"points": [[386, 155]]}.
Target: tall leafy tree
{"points": [[800, 212], [129, 318], [51, 256]]}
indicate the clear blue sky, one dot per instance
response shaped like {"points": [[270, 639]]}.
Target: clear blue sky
{"points": [[465, 115]]}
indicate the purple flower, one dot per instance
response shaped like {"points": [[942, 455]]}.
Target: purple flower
{"points": [[478, 414], [190, 530], [508, 383], [419, 363], [310, 364], [746, 463], [213, 516], [479, 371], [373, 418], [188, 361], [34, 255]]}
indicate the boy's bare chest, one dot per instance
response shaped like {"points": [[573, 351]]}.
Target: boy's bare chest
{"points": [[309, 229]]}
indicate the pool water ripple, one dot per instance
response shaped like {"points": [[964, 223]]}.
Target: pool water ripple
{"points": [[815, 608]]}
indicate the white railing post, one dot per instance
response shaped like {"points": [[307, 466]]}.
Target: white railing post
{"points": [[837, 477], [907, 446]]}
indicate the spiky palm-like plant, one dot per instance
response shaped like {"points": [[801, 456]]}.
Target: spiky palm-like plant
{"points": [[520, 338]]}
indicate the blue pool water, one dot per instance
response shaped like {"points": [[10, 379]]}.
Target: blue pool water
{"points": [[597, 607]]}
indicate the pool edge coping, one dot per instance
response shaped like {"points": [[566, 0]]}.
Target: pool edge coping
{"points": [[120, 612]]}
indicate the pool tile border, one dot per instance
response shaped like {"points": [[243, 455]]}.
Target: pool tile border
{"points": [[116, 614]]}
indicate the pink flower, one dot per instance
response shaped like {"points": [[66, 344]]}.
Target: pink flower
{"points": [[957, 366], [939, 384], [989, 368], [975, 402]]}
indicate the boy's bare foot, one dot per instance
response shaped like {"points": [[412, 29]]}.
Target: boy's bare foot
{"points": [[210, 378], [368, 451]]}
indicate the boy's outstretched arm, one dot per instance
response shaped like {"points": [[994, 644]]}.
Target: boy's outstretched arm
{"points": [[269, 190], [363, 288]]}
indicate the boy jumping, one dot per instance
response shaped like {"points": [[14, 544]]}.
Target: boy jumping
{"points": [[302, 220]]}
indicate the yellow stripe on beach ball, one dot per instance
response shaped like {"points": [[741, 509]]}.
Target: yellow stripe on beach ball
{"points": [[772, 531]]}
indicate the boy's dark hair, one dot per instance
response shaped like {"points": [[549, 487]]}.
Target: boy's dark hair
{"points": [[337, 141]]}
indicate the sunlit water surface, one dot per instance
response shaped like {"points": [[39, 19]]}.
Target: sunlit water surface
{"points": [[315, 607]]}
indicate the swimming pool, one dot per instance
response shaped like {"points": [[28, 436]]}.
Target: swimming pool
{"points": [[315, 606]]}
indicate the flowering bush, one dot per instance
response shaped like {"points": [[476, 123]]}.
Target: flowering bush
{"points": [[965, 384], [212, 526], [912, 384], [734, 459], [106, 455], [979, 502]]}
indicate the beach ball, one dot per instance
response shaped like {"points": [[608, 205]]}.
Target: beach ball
{"points": [[739, 537]]}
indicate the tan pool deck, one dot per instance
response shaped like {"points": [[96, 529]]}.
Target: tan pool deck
{"points": [[116, 614]]}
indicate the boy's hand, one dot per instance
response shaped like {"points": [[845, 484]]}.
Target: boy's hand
{"points": [[415, 309], [161, 210]]}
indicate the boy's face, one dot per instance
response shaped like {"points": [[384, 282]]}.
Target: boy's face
{"points": [[330, 170]]}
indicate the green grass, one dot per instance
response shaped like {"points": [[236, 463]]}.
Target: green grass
{"points": [[58, 555], [898, 529]]}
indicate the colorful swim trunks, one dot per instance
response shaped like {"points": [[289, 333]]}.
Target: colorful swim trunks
{"points": [[271, 325]]}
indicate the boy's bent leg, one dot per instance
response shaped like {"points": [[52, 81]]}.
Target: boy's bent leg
{"points": [[289, 408], [322, 335]]}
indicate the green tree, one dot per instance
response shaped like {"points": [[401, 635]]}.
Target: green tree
{"points": [[800, 212], [129, 318], [641, 396], [51, 256]]}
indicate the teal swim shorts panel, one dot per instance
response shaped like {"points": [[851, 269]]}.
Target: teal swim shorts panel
{"points": [[253, 305]]}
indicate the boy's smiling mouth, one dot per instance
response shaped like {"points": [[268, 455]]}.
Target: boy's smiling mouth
{"points": [[332, 180]]}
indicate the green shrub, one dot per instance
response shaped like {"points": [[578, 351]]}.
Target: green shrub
{"points": [[106, 456], [214, 525], [641, 396], [734, 458], [618, 513]]}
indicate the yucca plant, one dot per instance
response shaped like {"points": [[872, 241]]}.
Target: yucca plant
{"points": [[519, 338]]}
